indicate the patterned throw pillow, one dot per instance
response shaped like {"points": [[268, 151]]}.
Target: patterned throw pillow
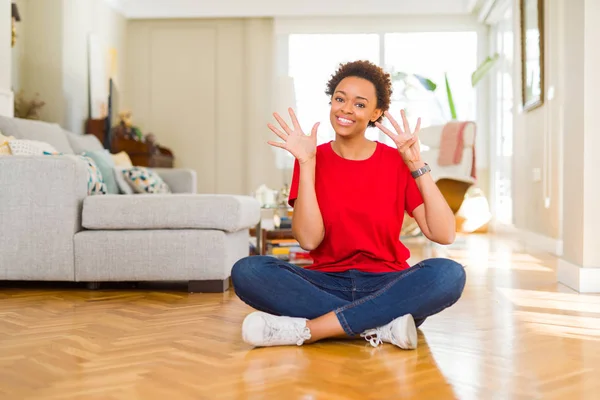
{"points": [[144, 180], [4, 147], [25, 147], [105, 164], [95, 182]]}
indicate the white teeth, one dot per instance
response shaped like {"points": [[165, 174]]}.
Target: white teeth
{"points": [[344, 120]]}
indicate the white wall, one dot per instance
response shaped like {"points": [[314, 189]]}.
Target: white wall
{"points": [[17, 51], [537, 205], [6, 100], [203, 87], [83, 18], [38, 55], [580, 265], [561, 138], [51, 56]]}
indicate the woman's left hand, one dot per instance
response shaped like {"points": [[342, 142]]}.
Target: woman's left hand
{"points": [[406, 141]]}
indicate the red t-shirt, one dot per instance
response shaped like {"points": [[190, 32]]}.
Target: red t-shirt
{"points": [[362, 204]]}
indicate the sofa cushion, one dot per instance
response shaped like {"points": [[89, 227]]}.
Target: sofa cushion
{"points": [[228, 213], [22, 147], [106, 165], [122, 184], [157, 255], [144, 180], [96, 183], [4, 147], [83, 143], [47, 132], [122, 159]]}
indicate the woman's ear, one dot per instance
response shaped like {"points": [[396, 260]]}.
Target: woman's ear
{"points": [[376, 114]]}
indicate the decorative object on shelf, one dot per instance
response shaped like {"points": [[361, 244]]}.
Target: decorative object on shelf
{"points": [[283, 195], [28, 108], [16, 17], [128, 130], [266, 197], [532, 53]]}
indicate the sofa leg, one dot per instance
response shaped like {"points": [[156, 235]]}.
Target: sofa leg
{"points": [[93, 285], [214, 286]]}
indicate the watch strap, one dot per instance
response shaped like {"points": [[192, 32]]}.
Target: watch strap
{"points": [[421, 171]]}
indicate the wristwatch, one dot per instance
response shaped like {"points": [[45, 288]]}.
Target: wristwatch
{"points": [[421, 171]]}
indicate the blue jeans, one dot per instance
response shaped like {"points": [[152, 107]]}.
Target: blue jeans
{"points": [[360, 300]]}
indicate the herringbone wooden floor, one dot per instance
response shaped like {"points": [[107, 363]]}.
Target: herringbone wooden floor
{"points": [[515, 334]]}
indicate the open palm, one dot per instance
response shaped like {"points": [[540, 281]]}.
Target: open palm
{"points": [[406, 141], [303, 147]]}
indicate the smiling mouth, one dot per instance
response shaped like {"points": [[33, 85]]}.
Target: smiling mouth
{"points": [[344, 121]]}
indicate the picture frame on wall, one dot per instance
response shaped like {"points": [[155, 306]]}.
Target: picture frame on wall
{"points": [[532, 53]]}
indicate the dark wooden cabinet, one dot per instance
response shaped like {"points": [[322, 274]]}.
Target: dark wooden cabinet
{"points": [[142, 153]]}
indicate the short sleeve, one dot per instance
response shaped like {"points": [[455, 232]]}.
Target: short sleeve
{"points": [[412, 194], [294, 185]]}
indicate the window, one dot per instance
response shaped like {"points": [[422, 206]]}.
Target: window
{"points": [[432, 55], [312, 58]]}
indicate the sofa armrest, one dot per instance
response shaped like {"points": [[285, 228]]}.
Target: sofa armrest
{"points": [[179, 180], [40, 211]]}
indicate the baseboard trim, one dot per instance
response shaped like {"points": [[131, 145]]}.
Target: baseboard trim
{"points": [[580, 279], [541, 242]]}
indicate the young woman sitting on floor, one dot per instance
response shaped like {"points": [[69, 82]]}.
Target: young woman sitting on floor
{"points": [[349, 198]]}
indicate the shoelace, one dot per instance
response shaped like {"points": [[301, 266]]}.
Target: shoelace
{"points": [[373, 337], [294, 333]]}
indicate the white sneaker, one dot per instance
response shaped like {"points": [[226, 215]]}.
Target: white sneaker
{"points": [[262, 329], [402, 332]]}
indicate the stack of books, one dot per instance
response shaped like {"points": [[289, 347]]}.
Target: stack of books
{"points": [[289, 250]]}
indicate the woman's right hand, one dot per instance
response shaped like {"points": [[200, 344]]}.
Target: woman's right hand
{"points": [[303, 147]]}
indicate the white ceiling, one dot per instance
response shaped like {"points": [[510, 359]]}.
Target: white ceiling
{"points": [[288, 8]]}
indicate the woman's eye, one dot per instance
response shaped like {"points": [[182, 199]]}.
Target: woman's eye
{"points": [[339, 99], [361, 105]]}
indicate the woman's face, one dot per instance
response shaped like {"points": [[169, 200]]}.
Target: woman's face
{"points": [[353, 105]]}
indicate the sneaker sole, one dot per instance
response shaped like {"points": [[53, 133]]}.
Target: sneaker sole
{"points": [[249, 318], [411, 332]]}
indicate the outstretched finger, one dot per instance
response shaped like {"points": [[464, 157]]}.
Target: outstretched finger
{"points": [[418, 127], [277, 132], [294, 119], [405, 122], [313, 132], [285, 127], [385, 130], [277, 144], [394, 123]]}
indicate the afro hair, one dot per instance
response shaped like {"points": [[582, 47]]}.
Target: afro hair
{"points": [[369, 71]]}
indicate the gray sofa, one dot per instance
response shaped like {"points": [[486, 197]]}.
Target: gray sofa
{"points": [[51, 230]]}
